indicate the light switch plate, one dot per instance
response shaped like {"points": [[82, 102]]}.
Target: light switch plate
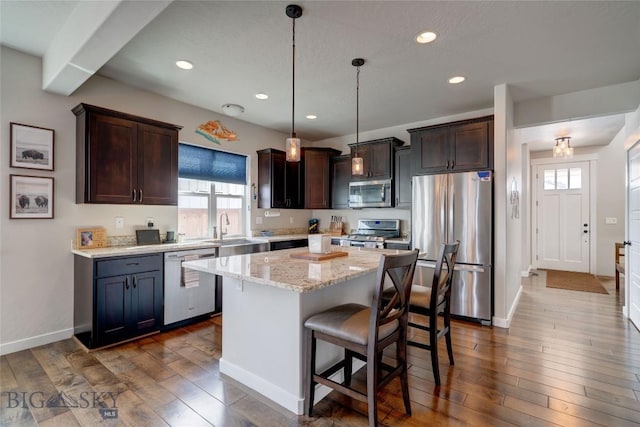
{"points": [[258, 220], [610, 220]]}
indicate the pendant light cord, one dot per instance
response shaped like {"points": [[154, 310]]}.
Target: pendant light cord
{"points": [[293, 78], [357, 109]]}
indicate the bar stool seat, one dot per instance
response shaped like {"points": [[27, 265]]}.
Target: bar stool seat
{"points": [[348, 322]]}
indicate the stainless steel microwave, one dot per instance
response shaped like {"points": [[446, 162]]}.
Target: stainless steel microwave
{"points": [[370, 194]]}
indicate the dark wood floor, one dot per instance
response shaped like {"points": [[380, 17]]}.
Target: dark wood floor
{"points": [[569, 359]]}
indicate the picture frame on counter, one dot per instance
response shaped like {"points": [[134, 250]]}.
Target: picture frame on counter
{"points": [[31, 147], [31, 197], [91, 237]]}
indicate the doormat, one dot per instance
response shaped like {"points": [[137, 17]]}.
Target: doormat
{"points": [[583, 282]]}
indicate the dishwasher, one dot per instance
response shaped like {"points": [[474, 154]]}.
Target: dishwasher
{"points": [[188, 293]]}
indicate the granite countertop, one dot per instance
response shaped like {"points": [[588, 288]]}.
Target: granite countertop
{"points": [[113, 251], [280, 270], [143, 249]]}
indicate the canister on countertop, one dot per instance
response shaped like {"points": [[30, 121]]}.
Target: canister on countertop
{"points": [[320, 243], [313, 225]]}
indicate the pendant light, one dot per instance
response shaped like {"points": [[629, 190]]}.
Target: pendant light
{"points": [[563, 147], [293, 11], [357, 163]]}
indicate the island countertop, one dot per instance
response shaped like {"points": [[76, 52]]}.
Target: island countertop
{"points": [[279, 269]]}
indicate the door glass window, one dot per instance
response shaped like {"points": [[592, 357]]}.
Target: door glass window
{"points": [[550, 179], [563, 179], [575, 178]]}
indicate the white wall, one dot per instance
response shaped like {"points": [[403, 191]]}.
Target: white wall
{"points": [[508, 229], [601, 101], [36, 265]]}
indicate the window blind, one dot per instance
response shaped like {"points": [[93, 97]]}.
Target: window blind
{"points": [[211, 165]]}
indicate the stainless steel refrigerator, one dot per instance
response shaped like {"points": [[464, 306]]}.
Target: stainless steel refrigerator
{"points": [[450, 207]]}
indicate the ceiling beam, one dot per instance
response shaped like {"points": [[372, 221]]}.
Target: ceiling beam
{"points": [[94, 32]]}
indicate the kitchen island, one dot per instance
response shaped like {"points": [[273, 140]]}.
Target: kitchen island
{"points": [[267, 297]]}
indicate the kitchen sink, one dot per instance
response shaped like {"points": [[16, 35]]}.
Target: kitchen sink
{"points": [[240, 247]]}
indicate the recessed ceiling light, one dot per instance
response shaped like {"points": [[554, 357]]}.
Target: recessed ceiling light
{"points": [[185, 65], [456, 80], [312, 116], [426, 37], [262, 96]]}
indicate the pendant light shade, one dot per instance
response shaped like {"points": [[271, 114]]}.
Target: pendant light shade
{"points": [[293, 11], [357, 163]]}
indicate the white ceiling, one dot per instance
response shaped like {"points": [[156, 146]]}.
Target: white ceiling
{"points": [[240, 48]]}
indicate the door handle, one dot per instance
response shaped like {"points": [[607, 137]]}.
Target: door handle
{"points": [[627, 242], [126, 283], [133, 195], [141, 195], [134, 282]]}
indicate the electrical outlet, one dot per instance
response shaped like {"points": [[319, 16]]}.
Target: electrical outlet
{"points": [[258, 220], [119, 222], [610, 220], [290, 220], [149, 222]]}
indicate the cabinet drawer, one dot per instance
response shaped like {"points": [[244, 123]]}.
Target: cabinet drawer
{"points": [[129, 265]]}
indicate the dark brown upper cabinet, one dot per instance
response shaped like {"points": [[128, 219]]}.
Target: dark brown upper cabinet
{"points": [[125, 159], [402, 179], [341, 175], [317, 177], [377, 157], [453, 147], [280, 183]]}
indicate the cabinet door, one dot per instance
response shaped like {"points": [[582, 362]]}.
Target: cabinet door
{"points": [[146, 302], [430, 150], [403, 177], [341, 170], [113, 303], [157, 165], [470, 146], [112, 157], [317, 179], [294, 184], [380, 160]]}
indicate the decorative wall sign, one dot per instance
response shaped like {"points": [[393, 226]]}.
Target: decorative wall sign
{"points": [[31, 147], [89, 238], [31, 197], [213, 130]]}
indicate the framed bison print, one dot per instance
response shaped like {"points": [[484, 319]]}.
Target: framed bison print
{"points": [[31, 147], [31, 197]]}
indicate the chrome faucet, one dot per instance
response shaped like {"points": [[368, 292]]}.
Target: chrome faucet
{"points": [[226, 222]]}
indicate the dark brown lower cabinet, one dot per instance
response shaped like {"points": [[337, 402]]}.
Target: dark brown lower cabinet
{"points": [[117, 299]]}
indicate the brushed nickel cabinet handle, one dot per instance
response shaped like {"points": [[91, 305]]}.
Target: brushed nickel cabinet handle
{"points": [[140, 195], [134, 194]]}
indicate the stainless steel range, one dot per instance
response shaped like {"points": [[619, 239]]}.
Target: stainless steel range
{"points": [[372, 233]]}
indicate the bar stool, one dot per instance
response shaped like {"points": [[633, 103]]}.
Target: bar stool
{"points": [[364, 332], [424, 301]]}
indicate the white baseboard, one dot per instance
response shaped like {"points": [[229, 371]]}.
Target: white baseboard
{"points": [[26, 343], [283, 398], [505, 323]]}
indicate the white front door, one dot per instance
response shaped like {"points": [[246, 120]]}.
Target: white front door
{"points": [[562, 217], [632, 253]]}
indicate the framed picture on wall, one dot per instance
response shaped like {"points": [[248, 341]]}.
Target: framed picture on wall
{"points": [[31, 197], [31, 147]]}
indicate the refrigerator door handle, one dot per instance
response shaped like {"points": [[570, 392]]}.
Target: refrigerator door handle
{"points": [[467, 267], [458, 267]]}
